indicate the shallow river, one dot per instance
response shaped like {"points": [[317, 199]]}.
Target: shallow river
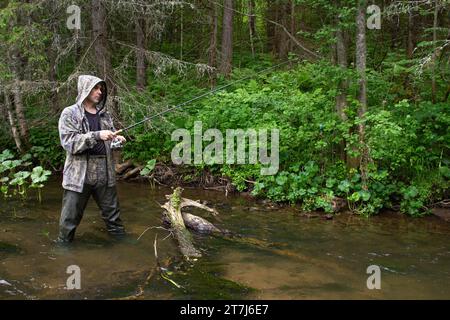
{"points": [[279, 254]]}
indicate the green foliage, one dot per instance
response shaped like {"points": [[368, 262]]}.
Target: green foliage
{"points": [[15, 182], [407, 142], [38, 177], [46, 148], [19, 32], [148, 167]]}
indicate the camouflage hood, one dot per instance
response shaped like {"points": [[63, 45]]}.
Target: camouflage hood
{"points": [[85, 84]]}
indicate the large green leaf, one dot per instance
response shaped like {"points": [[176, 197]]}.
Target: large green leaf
{"points": [[149, 167], [11, 164], [6, 155], [19, 178], [39, 175]]}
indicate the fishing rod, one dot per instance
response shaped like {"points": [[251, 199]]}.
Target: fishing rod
{"points": [[201, 96]]}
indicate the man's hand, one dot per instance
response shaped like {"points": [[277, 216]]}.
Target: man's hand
{"points": [[121, 139], [107, 135]]}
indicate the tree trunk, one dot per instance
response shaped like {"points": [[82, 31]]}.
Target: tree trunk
{"points": [[52, 74], [141, 65], [291, 43], [447, 94], [342, 61], [277, 16], [271, 14], [16, 63], [100, 37], [181, 34], [283, 39], [411, 34], [341, 98], [213, 41], [251, 24], [20, 113], [411, 43], [435, 25], [280, 38], [252, 17], [52, 53], [227, 38], [362, 82], [14, 129], [102, 54]]}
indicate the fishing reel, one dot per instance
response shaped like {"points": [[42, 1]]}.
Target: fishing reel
{"points": [[116, 144]]}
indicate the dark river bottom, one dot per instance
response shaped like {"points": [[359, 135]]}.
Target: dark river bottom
{"points": [[281, 256]]}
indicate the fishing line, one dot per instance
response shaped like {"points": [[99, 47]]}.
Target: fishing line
{"points": [[204, 95]]}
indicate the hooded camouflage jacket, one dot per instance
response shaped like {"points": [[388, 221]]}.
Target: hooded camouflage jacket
{"points": [[76, 138]]}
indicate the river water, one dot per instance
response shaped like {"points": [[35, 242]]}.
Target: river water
{"points": [[279, 255]]}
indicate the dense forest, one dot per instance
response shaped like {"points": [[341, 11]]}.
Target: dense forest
{"points": [[361, 96]]}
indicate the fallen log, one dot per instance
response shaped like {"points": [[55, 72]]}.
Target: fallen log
{"points": [[196, 223], [132, 172], [199, 224], [191, 203], [182, 235], [122, 167]]}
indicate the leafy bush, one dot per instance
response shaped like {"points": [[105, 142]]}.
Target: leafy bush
{"points": [[46, 148], [14, 182]]}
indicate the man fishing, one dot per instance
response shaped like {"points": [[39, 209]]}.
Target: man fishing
{"points": [[86, 130]]}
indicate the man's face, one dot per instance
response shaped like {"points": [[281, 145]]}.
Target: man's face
{"points": [[96, 94]]}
